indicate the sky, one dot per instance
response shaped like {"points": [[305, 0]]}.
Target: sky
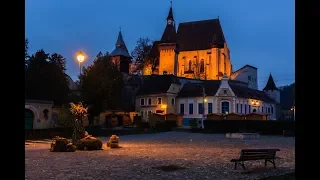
{"points": [[258, 33]]}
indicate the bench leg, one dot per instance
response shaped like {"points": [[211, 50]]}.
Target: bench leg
{"points": [[271, 161], [241, 163], [274, 164]]}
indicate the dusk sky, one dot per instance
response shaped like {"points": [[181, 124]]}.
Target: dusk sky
{"points": [[258, 33]]}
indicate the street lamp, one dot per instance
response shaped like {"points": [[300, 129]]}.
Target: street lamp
{"points": [[203, 104], [80, 58], [294, 112]]}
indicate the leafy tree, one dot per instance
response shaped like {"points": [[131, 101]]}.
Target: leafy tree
{"points": [[142, 54], [26, 48], [287, 96], [46, 78], [101, 84]]}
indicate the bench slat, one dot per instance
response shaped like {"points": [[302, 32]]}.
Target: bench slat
{"points": [[259, 150]]}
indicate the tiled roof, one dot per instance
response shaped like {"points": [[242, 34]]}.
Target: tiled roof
{"points": [[244, 67], [121, 48], [169, 35], [199, 35], [156, 84], [270, 84], [212, 86], [245, 92], [195, 89]]}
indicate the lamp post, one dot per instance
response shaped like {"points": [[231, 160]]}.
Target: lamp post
{"points": [[203, 105], [80, 58], [294, 112]]}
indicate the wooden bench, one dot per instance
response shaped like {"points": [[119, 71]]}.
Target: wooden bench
{"points": [[268, 155]]}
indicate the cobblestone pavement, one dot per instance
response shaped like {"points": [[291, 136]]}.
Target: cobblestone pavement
{"points": [[203, 156]]}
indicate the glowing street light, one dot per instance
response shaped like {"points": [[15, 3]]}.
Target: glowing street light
{"points": [[80, 58]]}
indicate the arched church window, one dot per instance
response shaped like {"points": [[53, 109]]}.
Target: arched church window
{"points": [[202, 65], [190, 65]]}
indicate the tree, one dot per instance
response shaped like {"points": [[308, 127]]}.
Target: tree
{"points": [[79, 112], [26, 48], [101, 84], [142, 54], [46, 78], [287, 96]]}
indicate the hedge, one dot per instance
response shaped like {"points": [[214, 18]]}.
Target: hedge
{"points": [[271, 127]]}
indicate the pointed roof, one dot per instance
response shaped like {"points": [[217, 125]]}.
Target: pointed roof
{"points": [[170, 33], [170, 15], [121, 48], [200, 35], [270, 84]]}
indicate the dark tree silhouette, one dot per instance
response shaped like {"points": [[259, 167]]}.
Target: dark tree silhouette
{"points": [[46, 78], [287, 96], [101, 84], [142, 54]]}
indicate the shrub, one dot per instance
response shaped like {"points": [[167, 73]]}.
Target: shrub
{"points": [[60, 144], [166, 125], [262, 126], [137, 120], [89, 143], [193, 124], [171, 123], [144, 125]]}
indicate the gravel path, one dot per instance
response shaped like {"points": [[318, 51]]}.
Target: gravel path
{"points": [[204, 156]]}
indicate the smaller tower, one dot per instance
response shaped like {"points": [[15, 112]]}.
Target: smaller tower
{"points": [[168, 63], [120, 55], [272, 90]]}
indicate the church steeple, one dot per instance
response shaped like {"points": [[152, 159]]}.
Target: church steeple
{"points": [[270, 84], [121, 48], [170, 15], [169, 34], [120, 55]]}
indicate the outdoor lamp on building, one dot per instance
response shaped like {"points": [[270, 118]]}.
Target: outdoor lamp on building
{"points": [[163, 106], [80, 58]]}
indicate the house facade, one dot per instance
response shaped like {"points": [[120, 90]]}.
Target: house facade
{"points": [[197, 99], [157, 94]]}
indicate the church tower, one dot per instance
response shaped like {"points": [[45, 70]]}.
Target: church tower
{"points": [[120, 55], [168, 62], [271, 89]]}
